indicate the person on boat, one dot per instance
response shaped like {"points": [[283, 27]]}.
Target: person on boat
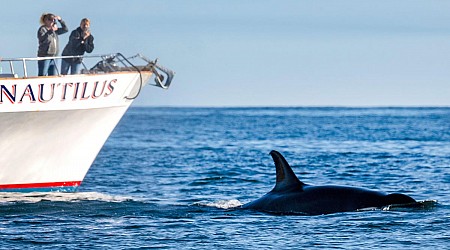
{"points": [[48, 42], [81, 40]]}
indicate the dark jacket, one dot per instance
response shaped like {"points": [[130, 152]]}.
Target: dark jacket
{"points": [[77, 45], [48, 39]]}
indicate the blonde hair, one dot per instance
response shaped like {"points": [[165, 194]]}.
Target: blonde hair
{"points": [[45, 16], [85, 20]]}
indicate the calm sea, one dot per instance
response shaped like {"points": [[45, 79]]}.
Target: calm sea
{"points": [[171, 178]]}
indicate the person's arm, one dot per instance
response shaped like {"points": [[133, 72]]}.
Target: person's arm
{"points": [[63, 28], [76, 40], [43, 34], [89, 44]]}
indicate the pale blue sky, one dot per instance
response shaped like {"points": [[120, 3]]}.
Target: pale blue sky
{"points": [[265, 53]]}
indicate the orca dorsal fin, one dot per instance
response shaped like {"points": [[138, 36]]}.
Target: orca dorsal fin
{"points": [[286, 178]]}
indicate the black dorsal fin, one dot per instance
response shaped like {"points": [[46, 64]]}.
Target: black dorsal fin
{"points": [[286, 178]]}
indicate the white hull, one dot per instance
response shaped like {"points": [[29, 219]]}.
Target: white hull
{"points": [[52, 128]]}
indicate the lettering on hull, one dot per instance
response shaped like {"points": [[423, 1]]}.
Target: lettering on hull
{"points": [[55, 92]]}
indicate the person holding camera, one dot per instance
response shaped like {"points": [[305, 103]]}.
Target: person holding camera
{"points": [[48, 42], [80, 41]]}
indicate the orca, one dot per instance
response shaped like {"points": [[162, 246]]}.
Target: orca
{"points": [[291, 196]]}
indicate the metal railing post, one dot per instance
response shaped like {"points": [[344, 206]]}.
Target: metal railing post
{"points": [[11, 67], [25, 74]]}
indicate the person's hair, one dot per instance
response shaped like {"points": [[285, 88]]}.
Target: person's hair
{"points": [[46, 16], [85, 20]]}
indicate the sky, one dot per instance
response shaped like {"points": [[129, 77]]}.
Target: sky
{"points": [[235, 53]]}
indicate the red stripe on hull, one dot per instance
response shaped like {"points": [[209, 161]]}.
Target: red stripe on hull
{"points": [[41, 185]]}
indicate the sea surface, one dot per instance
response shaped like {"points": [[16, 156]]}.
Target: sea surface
{"points": [[174, 178]]}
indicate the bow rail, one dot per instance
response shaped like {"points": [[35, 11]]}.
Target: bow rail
{"points": [[102, 64]]}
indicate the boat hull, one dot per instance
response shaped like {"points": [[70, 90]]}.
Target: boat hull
{"points": [[52, 128]]}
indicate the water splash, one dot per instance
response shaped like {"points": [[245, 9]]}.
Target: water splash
{"points": [[420, 205], [223, 204]]}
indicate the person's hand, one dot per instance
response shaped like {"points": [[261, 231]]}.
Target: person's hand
{"points": [[87, 33], [54, 24]]}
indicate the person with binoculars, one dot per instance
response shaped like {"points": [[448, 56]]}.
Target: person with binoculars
{"points": [[48, 42]]}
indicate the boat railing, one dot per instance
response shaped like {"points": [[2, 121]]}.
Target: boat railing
{"points": [[102, 64]]}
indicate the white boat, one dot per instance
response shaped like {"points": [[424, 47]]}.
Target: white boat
{"points": [[53, 127]]}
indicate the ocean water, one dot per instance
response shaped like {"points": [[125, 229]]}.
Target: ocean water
{"points": [[172, 178]]}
